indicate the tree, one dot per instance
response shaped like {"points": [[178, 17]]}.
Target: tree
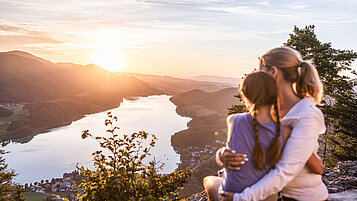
{"points": [[237, 108], [340, 101], [121, 174], [9, 190]]}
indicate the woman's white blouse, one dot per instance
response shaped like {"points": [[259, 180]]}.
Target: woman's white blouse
{"points": [[290, 174]]}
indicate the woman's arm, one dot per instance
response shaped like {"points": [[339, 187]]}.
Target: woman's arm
{"points": [[314, 164]]}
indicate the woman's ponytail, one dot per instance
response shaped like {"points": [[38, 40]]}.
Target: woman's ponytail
{"points": [[300, 73], [308, 82]]}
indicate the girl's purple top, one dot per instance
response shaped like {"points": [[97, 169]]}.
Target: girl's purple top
{"points": [[243, 141]]}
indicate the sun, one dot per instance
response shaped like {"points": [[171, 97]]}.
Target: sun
{"points": [[109, 59], [108, 50]]}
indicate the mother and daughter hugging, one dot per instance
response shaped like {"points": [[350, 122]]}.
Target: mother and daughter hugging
{"points": [[273, 147]]}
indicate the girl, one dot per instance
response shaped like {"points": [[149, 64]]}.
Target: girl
{"points": [[255, 133]]}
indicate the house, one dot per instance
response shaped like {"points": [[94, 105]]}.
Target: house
{"points": [[67, 184], [37, 189], [53, 189]]}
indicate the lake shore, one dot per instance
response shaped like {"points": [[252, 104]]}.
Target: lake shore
{"points": [[43, 116]]}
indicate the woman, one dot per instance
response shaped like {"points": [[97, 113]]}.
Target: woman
{"points": [[299, 89]]}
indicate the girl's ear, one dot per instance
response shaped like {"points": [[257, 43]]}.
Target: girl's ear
{"points": [[274, 72]]}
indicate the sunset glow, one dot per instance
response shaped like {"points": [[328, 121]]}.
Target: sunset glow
{"points": [[108, 53], [109, 59], [176, 38]]}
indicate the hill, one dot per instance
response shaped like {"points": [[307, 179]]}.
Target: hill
{"points": [[172, 85], [217, 101], [44, 95], [26, 78], [29, 56], [230, 81], [206, 132]]}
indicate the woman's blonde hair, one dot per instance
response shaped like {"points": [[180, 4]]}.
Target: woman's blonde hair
{"points": [[301, 73]]}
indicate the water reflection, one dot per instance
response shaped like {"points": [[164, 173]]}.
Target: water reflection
{"points": [[51, 154]]}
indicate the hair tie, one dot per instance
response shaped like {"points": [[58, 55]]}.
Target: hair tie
{"points": [[299, 71], [301, 63]]}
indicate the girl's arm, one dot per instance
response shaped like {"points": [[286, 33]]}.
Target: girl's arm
{"points": [[315, 164], [225, 156]]}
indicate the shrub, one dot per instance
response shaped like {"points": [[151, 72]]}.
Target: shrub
{"points": [[9, 190], [122, 174]]}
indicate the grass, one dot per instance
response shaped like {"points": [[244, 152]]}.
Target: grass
{"points": [[32, 196], [19, 112], [199, 110], [206, 156]]}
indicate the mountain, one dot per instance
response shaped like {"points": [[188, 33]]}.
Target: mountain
{"points": [[48, 95], [230, 81], [172, 85], [27, 78], [218, 101], [29, 56]]}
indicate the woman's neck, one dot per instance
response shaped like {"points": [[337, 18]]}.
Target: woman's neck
{"points": [[287, 98], [263, 114]]}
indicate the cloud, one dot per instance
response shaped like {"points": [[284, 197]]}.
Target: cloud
{"points": [[24, 40], [20, 35], [297, 6]]}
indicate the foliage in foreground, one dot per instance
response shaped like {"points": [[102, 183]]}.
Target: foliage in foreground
{"points": [[121, 174], [9, 190]]}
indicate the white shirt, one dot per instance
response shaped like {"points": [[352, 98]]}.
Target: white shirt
{"points": [[290, 173]]}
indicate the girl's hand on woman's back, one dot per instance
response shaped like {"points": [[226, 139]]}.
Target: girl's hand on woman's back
{"points": [[232, 160]]}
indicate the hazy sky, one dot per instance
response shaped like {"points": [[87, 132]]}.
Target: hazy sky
{"points": [[178, 38]]}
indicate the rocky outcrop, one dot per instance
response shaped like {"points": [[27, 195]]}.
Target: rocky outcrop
{"points": [[342, 178], [202, 196], [341, 182]]}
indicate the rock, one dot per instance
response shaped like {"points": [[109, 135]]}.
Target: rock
{"points": [[202, 196], [352, 171], [344, 196], [341, 183], [342, 177]]}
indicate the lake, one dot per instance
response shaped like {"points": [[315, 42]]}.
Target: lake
{"points": [[49, 155]]}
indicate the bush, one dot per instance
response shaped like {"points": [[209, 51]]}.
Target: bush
{"points": [[9, 190], [122, 174]]}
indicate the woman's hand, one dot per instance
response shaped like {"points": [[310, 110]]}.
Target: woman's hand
{"points": [[225, 196], [232, 160]]}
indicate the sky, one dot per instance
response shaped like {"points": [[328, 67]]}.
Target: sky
{"points": [[169, 37]]}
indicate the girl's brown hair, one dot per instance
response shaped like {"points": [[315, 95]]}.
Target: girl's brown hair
{"points": [[260, 89], [299, 72]]}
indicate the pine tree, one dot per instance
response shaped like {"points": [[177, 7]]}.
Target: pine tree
{"points": [[340, 101], [9, 190]]}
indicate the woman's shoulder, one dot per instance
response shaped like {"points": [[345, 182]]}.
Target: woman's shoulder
{"points": [[303, 113], [305, 108]]}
